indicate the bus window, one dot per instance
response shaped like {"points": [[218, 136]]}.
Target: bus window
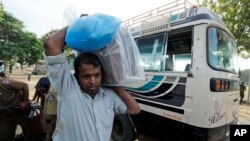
{"points": [[179, 50], [182, 62], [151, 50], [222, 51]]}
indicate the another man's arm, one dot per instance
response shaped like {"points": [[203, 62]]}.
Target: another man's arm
{"points": [[24, 88], [132, 105], [54, 45], [25, 91]]}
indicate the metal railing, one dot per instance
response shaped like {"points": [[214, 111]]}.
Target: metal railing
{"points": [[158, 19]]}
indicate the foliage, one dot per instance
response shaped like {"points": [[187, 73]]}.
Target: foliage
{"points": [[17, 45], [1, 12], [9, 35], [235, 14], [31, 48]]}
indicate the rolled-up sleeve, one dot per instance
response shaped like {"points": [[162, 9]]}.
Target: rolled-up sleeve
{"points": [[119, 105]]}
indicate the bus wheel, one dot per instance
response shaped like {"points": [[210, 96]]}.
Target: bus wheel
{"points": [[123, 129]]}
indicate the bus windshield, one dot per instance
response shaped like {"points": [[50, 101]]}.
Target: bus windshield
{"points": [[222, 51], [151, 50]]}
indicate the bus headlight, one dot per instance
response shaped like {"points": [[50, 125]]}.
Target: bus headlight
{"points": [[219, 85]]}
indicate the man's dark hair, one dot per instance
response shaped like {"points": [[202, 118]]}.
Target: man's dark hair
{"points": [[86, 58]]}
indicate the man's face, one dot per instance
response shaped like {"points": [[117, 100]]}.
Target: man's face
{"points": [[89, 78]]}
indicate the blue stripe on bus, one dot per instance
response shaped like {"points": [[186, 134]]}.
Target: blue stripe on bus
{"points": [[176, 97], [149, 85], [157, 78]]}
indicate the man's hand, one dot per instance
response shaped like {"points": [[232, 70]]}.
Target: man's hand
{"points": [[133, 107], [24, 105], [54, 45]]}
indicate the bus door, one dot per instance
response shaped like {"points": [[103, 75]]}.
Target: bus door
{"points": [[166, 58]]}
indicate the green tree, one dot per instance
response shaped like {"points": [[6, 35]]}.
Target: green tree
{"points": [[9, 35], [1, 12], [17, 45], [30, 49], [235, 14]]}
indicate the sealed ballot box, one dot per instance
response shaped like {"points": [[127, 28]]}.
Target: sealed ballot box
{"points": [[111, 41]]}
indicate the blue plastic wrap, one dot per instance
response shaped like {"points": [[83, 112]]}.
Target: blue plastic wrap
{"points": [[92, 33]]}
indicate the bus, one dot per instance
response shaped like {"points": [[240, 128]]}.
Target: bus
{"points": [[191, 90], [40, 68]]}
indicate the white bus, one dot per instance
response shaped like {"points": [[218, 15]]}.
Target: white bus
{"points": [[191, 89]]}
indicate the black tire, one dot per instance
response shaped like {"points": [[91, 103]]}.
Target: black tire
{"points": [[19, 137], [123, 129]]}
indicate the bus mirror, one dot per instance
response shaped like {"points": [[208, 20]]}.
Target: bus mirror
{"points": [[190, 74]]}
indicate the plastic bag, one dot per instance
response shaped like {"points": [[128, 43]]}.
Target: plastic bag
{"points": [[121, 60], [92, 33], [69, 15]]}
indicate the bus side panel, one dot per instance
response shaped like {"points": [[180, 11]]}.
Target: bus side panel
{"points": [[164, 129]]}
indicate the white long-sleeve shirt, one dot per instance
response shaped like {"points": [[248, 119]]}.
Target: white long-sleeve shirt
{"points": [[79, 117]]}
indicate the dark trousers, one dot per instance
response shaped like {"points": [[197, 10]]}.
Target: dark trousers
{"points": [[241, 96], [8, 124], [29, 76]]}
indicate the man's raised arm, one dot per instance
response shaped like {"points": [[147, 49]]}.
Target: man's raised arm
{"points": [[54, 45], [132, 105]]}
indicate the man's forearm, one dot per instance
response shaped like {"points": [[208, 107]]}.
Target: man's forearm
{"points": [[54, 45], [25, 91], [132, 105]]}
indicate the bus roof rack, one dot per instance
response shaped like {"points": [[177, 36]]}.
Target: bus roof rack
{"points": [[158, 19]]}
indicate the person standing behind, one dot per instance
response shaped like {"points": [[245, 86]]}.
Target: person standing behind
{"points": [[10, 118], [242, 90], [42, 88], [85, 108], [29, 73]]}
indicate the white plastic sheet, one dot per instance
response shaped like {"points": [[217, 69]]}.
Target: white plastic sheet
{"points": [[121, 59]]}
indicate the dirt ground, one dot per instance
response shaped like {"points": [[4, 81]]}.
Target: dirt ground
{"points": [[244, 109], [17, 74], [244, 113]]}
